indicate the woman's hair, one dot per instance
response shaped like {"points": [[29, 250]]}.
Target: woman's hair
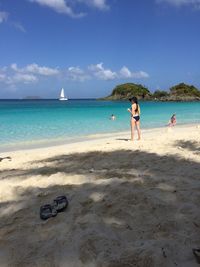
{"points": [[134, 100], [173, 116]]}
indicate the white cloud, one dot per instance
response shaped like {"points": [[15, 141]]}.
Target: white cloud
{"points": [[99, 4], [178, 3], [13, 79], [14, 67], [140, 75], [125, 73], [60, 6], [46, 71], [21, 78], [2, 77], [28, 74], [19, 26], [65, 6], [33, 72], [76, 74], [35, 69], [3, 16], [101, 73], [106, 74]]}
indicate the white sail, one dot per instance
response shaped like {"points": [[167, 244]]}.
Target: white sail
{"points": [[62, 95]]}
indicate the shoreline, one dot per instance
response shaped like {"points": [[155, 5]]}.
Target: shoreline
{"points": [[27, 145], [59, 142]]}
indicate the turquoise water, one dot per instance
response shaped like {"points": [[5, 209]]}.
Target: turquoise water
{"points": [[27, 120]]}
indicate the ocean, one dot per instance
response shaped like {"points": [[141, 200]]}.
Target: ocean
{"points": [[40, 121]]}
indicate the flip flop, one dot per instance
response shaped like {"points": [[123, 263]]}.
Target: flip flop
{"points": [[47, 211], [9, 158], [196, 252], [60, 203]]}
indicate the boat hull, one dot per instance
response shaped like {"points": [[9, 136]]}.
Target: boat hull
{"points": [[63, 99]]}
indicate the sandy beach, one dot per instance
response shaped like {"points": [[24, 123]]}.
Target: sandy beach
{"points": [[130, 203]]}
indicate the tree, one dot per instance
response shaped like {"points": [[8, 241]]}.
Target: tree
{"points": [[127, 90], [183, 89], [159, 94]]}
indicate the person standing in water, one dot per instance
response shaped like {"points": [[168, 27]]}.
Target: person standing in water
{"points": [[172, 121], [112, 117], [135, 117]]}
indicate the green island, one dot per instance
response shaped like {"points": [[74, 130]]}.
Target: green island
{"points": [[179, 92]]}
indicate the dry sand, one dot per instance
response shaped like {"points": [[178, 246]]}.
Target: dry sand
{"points": [[130, 204]]}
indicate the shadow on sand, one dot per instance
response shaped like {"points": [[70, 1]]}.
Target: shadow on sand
{"points": [[128, 208], [191, 146], [123, 139]]}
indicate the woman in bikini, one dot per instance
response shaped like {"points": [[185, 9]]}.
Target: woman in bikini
{"points": [[135, 117]]}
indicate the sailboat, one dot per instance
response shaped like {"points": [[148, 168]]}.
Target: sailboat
{"points": [[62, 95]]}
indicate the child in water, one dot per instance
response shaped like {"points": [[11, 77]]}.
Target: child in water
{"points": [[112, 117], [172, 121]]}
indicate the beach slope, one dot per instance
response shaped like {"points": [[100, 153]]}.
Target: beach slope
{"points": [[130, 204]]}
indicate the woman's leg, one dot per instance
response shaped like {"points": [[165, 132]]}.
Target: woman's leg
{"points": [[132, 128], [138, 129]]}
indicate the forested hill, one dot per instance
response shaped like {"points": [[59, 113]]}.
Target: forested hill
{"points": [[179, 92]]}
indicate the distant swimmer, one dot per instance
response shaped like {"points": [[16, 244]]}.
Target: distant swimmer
{"points": [[112, 117], [172, 121]]}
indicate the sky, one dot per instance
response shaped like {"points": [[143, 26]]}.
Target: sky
{"points": [[90, 46]]}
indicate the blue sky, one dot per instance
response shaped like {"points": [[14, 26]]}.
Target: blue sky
{"points": [[90, 46]]}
